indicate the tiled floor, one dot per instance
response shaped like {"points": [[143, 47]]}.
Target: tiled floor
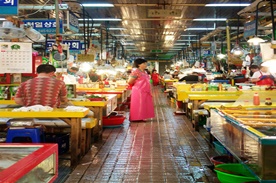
{"points": [[164, 149]]}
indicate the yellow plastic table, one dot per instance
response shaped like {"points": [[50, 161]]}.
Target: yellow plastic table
{"points": [[73, 119], [100, 109]]}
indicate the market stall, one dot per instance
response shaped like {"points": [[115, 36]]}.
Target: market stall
{"points": [[100, 109], [72, 118], [248, 133]]}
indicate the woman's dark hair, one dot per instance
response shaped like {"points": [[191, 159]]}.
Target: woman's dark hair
{"points": [[45, 68], [138, 62], [254, 67]]}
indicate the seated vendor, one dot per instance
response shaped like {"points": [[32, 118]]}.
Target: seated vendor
{"points": [[263, 77], [191, 78], [45, 89]]}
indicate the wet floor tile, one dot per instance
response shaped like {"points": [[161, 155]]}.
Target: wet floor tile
{"points": [[165, 149]]}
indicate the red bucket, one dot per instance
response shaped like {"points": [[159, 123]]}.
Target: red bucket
{"points": [[216, 160]]}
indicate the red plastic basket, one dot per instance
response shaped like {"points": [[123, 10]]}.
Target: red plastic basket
{"points": [[96, 99], [113, 120]]}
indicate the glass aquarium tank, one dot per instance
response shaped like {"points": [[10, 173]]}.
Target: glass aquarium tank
{"points": [[25, 163], [250, 136]]}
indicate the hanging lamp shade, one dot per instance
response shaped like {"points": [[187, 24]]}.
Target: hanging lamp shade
{"points": [[237, 50], [255, 40], [9, 31]]}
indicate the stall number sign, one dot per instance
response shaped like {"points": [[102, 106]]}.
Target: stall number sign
{"points": [[86, 58], [72, 22], [9, 7], [72, 44], [44, 26]]}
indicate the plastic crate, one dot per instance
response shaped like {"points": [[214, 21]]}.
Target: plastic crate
{"points": [[61, 139], [113, 120]]}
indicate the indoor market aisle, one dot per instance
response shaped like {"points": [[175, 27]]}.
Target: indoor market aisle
{"points": [[164, 149]]}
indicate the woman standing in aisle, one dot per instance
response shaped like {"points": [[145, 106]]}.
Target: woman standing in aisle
{"points": [[141, 105], [155, 77]]}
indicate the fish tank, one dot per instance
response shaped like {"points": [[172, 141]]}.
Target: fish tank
{"points": [[250, 136], [25, 163]]}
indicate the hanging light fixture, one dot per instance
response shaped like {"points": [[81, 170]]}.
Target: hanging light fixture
{"points": [[271, 63], [237, 50], [256, 40]]}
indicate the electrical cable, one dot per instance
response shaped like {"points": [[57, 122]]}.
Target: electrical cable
{"points": [[35, 11]]}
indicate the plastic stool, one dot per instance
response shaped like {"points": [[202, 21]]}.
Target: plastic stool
{"points": [[35, 134]]}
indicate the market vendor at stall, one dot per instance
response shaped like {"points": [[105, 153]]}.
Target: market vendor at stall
{"points": [[263, 77], [44, 89]]}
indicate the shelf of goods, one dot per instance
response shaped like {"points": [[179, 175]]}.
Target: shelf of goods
{"points": [[249, 133]]}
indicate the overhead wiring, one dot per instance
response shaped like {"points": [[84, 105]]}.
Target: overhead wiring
{"points": [[36, 10]]}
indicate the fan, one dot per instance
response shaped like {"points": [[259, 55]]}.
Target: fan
{"points": [[9, 31]]}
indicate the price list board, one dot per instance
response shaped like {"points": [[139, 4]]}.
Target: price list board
{"points": [[15, 57]]}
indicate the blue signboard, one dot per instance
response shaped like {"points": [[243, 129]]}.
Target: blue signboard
{"points": [[44, 26], [249, 29], [72, 44], [9, 7], [72, 22]]}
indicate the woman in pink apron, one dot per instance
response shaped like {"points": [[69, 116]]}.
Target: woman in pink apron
{"points": [[141, 105]]}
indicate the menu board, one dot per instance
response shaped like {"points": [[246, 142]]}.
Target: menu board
{"points": [[15, 57]]}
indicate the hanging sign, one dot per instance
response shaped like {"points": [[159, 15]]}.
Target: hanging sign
{"points": [[86, 58], [9, 7], [249, 29], [72, 44], [72, 22], [164, 13], [44, 26]]}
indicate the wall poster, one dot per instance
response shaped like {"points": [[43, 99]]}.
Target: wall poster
{"points": [[15, 57]]}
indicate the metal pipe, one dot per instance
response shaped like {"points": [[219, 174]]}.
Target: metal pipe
{"points": [[57, 17], [228, 41], [273, 22], [257, 17], [40, 7]]}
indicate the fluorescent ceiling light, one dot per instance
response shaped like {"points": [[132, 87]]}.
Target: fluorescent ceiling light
{"points": [[98, 5], [201, 28], [187, 35], [228, 5], [2, 19], [121, 35], [130, 44], [90, 25], [81, 34], [180, 44], [101, 19], [116, 28], [180, 40], [209, 19]]}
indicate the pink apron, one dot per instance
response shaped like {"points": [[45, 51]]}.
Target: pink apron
{"points": [[141, 105]]}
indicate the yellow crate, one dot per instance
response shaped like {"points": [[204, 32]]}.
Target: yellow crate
{"points": [[93, 122]]}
